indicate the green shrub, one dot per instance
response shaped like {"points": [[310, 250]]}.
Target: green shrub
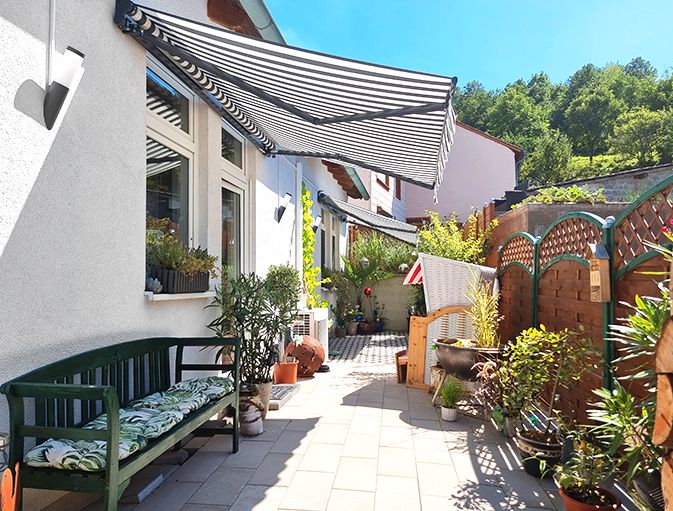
{"points": [[484, 314], [580, 167], [452, 391], [385, 251], [569, 195], [451, 240]]}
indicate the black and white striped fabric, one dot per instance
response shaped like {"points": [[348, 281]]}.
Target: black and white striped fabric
{"points": [[396, 122], [360, 216]]}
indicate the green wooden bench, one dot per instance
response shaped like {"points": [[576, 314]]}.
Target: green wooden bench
{"points": [[55, 401]]}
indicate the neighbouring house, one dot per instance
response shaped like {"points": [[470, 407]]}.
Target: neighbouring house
{"points": [[479, 168], [144, 133]]}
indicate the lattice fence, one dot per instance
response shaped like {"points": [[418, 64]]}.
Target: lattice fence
{"points": [[518, 249], [569, 236]]}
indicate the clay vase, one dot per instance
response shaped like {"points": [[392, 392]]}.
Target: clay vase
{"points": [[309, 354], [285, 372]]}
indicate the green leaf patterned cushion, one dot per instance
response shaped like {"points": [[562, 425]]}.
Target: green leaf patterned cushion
{"points": [[146, 418], [214, 387]]}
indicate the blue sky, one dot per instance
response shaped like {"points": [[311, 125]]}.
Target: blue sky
{"points": [[493, 41]]}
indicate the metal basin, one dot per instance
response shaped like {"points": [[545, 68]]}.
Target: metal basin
{"points": [[460, 360]]}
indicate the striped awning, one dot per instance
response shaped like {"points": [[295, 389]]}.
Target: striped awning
{"points": [[360, 216], [298, 102], [415, 275]]}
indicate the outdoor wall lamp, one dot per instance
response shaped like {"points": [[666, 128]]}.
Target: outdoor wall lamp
{"points": [[316, 223], [65, 76], [283, 206]]}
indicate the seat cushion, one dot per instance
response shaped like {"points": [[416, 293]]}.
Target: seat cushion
{"points": [[143, 420]]}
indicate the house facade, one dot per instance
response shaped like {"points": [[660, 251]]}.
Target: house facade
{"points": [[479, 168], [133, 141]]}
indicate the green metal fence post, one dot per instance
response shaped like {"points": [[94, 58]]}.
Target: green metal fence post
{"points": [[535, 277], [609, 354]]}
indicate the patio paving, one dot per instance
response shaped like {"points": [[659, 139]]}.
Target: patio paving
{"points": [[354, 439]]}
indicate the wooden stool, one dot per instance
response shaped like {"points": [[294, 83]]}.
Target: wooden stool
{"points": [[401, 361]]}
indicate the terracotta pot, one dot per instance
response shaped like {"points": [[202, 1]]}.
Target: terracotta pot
{"points": [[532, 451], [285, 372], [352, 328], [265, 396], [575, 505]]}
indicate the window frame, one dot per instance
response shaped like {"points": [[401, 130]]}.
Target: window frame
{"points": [[243, 231], [229, 166], [383, 181]]}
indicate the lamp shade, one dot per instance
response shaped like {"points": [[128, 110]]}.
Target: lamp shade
{"points": [[64, 76]]}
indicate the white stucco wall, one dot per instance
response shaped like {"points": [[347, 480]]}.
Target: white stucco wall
{"points": [[478, 170], [380, 196]]}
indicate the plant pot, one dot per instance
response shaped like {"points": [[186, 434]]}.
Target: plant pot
{"points": [[285, 372], [265, 396], [449, 414], [534, 447], [250, 413], [352, 328], [379, 326], [648, 487], [175, 282], [341, 331], [367, 328], [576, 505], [460, 360]]}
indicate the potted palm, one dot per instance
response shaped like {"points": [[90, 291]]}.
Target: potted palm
{"points": [[452, 392], [461, 356], [581, 477], [544, 357]]}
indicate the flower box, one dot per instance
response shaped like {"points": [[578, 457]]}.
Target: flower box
{"points": [[174, 282]]}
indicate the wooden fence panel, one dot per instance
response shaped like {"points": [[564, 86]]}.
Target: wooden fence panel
{"points": [[516, 288]]}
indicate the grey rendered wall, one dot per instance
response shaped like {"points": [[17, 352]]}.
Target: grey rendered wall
{"points": [[72, 200]]}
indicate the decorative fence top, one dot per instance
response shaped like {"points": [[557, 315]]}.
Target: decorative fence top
{"points": [[518, 249], [642, 223], [569, 236]]}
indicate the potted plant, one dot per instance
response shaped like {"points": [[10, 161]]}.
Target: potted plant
{"points": [[542, 357], [343, 309], [175, 267], [285, 370], [353, 321], [461, 356], [581, 477], [379, 318], [452, 392]]}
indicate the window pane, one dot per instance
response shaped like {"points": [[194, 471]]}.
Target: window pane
{"points": [[231, 231], [167, 186], [166, 102], [232, 149]]}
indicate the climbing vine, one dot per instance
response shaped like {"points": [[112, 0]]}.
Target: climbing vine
{"points": [[310, 272]]}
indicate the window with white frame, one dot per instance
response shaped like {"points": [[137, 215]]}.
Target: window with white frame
{"points": [[169, 151]]}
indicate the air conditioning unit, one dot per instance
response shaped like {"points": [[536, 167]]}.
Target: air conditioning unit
{"points": [[313, 322]]}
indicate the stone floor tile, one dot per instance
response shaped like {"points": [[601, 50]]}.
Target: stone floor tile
{"points": [[321, 458], [422, 428], [338, 415], [302, 424], [361, 446], [331, 433], [369, 411], [276, 469], [435, 479], [397, 494], [272, 430], [395, 418], [392, 436], [250, 455], [423, 412], [356, 474], [431, 450], [474, 470], [259, 498], [203, 507], [365, 424], [434, 503], [219, 443], [348, 500], [395, 461], [478, 497], [309, 491], [170, 496], [295, 442], [222, 487], [199, 467]]}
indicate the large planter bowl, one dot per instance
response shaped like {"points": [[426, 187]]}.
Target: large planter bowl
{"points": [[533, 451], [461, 360], [575, 505]]}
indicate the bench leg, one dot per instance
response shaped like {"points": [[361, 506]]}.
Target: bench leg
{"points": [[237, 429], [110, 500]]}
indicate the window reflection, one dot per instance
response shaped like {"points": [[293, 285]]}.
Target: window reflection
{"points": [[232, 149], [167, 102], [231, 231]]}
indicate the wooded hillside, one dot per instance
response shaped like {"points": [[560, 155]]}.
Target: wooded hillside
{"points": [[601, 120]]}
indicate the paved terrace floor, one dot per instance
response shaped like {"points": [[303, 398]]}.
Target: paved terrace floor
{"points": [[354, 439]]}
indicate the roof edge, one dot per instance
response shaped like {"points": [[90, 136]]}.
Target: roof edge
{"points": [[514, 148]]}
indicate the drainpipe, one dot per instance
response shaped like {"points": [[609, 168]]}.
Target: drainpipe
{"points": [[298, 220]]}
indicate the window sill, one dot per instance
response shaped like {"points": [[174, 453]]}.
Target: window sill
{"points": [[165, 297]]}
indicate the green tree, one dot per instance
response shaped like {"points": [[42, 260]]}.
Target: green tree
{"points": [[514, 113], [664, 144], [587, 77], [548, 163], [590, 119], [472, 102], [640, 68], [637, 133]]}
